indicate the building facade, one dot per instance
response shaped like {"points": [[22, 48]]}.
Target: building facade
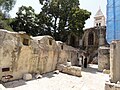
{"points": [[95, 36]]}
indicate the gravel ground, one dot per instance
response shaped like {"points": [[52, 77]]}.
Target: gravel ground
{"points": [[91, 80]]}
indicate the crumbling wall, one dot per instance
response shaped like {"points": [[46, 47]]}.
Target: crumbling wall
{"points": [[9, 52], [21, 54], [67, 54], [48, 53], [73, 55]]}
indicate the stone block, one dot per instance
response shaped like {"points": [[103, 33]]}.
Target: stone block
{"points": [[112, 86], [72, 70], [27, 77]]}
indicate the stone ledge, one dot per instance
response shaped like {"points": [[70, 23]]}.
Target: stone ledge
{"points": [[72, 70]]}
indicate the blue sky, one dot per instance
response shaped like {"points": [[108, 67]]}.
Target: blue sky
{"points": [[90, 5]]}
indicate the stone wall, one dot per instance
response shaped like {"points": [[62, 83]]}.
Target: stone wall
{"points": [[63, 56], [103, 58], [21, 54], [67, 54]]}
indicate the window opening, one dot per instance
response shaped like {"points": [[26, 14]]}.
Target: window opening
{"points": [[50, 41], [25, 41], [5, 69]]}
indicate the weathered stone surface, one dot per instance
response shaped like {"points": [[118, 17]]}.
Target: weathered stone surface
{"points": [[72, 70], [63, 56], [47, 56], [60, 67], [27, 77], [21, 54], [112, 86], [115, 61], [67, 53], [103, 58]]}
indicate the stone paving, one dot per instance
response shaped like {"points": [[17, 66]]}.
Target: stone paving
{"points": [[91, 80]]}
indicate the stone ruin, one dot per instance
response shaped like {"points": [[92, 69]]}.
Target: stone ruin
{"points": [[22, 55], [114, 83]]}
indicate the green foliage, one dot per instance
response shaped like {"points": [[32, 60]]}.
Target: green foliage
{"points": [[25, 20], [31, 23], [66, 18], [6, 5], [58, 18], [5, 22]]}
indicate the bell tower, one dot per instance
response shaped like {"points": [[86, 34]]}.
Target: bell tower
{"points": [[99, 19]]}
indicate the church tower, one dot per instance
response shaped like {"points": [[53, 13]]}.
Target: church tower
{"points": [[99, 19]]}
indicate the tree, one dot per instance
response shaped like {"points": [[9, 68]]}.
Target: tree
{"points": [[5, 22], [6, 5], [43, 24], [66, 17], [25, 20], [58, 18]]}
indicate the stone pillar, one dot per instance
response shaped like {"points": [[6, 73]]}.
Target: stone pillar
{"points": [[103, 58], [101, 38], [115, 61]]}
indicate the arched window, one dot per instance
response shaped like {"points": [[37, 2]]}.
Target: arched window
{"points": [[90, 38]]}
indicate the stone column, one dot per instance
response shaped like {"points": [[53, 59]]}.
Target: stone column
{"points": [[101, 38], [115, 61], [103, 58]]}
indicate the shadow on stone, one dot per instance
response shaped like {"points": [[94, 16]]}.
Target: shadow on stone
{"points": [[14, 84]]}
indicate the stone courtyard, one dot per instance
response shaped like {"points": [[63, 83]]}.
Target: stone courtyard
{"points": [[91, 79]]}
